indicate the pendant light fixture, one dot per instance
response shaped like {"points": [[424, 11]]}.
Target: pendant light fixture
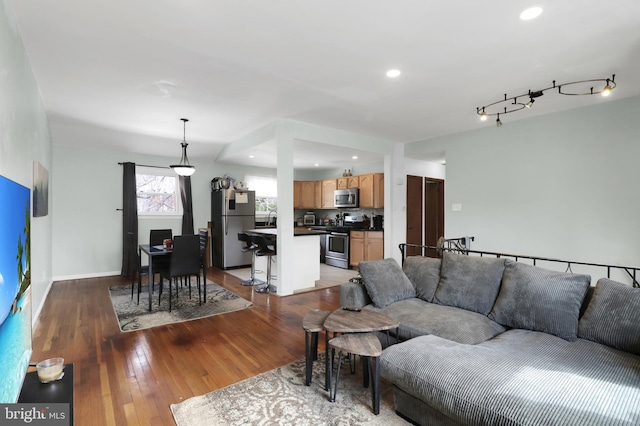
{"points": [[184, 168]]}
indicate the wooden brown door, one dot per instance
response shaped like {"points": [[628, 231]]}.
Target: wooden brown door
{"points": [[414, 214], [433, 213]]}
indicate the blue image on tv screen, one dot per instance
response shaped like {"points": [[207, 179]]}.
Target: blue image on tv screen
{"points": [[15, 289]]}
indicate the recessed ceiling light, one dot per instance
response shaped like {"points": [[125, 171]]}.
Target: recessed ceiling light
{"points": [[355, 157], [317, 165], [393, 73], [531, 13], [252, 156]]}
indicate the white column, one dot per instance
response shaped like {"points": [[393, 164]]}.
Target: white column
{"points": [[286, 249], [395, 201]]}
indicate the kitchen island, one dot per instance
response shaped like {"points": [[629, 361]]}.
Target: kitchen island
{"points": [[306, 260]]}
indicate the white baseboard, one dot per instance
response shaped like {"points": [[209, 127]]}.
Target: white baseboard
{"points": [[83, 276], [35, 316]]}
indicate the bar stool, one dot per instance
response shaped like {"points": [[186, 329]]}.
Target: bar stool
{"points": [[264, 250], [250, 246]]}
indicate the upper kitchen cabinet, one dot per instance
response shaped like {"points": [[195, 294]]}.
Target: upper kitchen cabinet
{"points": [[297, 200], [306, 194], [371, 190], [328, 186], [348, 182]]}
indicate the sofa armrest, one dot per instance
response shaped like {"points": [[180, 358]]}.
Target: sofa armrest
{"points": [[354, 294]]}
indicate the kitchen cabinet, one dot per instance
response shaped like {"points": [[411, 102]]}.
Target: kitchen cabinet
{"points": [[328, 186], [371, 190], [319, 194], [348, 182], [297, 199], [306, 194], [308, 190], [365, 245]]}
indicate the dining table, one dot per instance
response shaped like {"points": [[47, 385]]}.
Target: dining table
{"points": [[151, 251]]}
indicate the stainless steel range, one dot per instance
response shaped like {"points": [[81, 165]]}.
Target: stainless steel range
{"points": [[338, 249], [337, 241]]}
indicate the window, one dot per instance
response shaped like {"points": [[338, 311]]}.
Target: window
{"points": [[158, 192], [266, 188]]}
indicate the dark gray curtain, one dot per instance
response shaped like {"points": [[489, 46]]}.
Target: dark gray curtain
{"points": [[129, 220], [187, 208]]}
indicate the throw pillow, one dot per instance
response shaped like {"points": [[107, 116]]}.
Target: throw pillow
{"points": [[469, 282], [385, 282], [424, 274], [612, 316], [538, 299]]}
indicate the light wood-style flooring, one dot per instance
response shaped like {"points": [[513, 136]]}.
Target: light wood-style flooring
{"points": [[132, 378]]}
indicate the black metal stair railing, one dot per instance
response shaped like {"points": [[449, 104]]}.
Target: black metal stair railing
{"points": [[459, 245]]}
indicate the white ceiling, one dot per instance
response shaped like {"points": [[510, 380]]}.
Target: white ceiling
{"points": [[121, 73]]}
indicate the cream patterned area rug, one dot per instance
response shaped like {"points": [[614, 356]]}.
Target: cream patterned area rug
{"points": [[279, 397], [132, 316]]}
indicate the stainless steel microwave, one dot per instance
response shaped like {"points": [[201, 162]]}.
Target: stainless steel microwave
{"points": [[346, 197]]}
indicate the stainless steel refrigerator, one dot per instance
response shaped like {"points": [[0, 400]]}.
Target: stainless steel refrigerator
{"points": [[231, 212]]}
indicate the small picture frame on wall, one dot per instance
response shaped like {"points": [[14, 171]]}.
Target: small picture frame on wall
{"points": [[40, 190]]}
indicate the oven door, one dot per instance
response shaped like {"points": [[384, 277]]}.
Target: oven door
{"points": [[338, 249]]}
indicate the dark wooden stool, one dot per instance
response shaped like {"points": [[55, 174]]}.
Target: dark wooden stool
{"points": [[312, 323]]}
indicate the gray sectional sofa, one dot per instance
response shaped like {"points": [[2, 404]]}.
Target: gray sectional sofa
{"points": [[487, 341]]}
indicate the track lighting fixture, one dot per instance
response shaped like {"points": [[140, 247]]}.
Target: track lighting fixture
{"points": [[184, 168], [508, 105]]}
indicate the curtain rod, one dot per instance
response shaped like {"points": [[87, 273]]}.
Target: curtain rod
{"points": [[146, 165]]}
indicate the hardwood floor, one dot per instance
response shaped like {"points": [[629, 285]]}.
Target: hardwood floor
{"points": [[132, 378]]}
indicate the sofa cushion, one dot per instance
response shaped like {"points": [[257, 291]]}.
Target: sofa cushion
{"points": [[385, 282], [612, 316], [424, 274], [539, 299], [469, 282], [418, 318]]}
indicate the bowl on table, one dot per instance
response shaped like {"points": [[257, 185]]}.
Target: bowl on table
{"points": [[50, 369]]}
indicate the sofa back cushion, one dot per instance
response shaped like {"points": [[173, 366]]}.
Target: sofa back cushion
{"points": [[424, 274], [385, 282], [538, 299], [612, 316], [469, 282]]}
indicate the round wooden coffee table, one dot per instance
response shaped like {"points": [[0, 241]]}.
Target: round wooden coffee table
{"points": [[347, 321]]}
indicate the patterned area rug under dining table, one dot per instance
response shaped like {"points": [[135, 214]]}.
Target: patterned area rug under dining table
{"points": [[133, 316]]}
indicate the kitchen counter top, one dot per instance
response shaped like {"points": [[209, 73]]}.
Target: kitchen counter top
{"points": [[297, 231], [305, 267]]}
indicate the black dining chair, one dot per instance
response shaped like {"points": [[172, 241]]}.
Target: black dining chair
{"points": [[138, 269], [156, 238], [204, 238], [184, 263]]}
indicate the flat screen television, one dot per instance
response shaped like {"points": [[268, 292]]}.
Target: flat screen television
{"points": [[15, 287]]}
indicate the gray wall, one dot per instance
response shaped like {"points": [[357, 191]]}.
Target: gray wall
{"points": [[562, 185], [87, 228], [24, 138]]}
